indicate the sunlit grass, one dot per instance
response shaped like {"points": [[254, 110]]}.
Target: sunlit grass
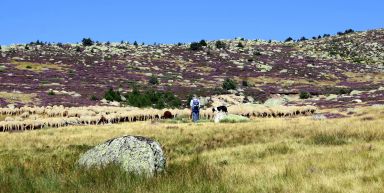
{"points": [[36, 67], [263, 155]]}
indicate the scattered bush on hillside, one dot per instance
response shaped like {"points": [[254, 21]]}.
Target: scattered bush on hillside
{"points": [[229, 84], [203, 43], [51, 93], [153, 80], [244, 83], [38, 42], [304, 95], [220, 45], [348, 31], [87, 42], [326, 35], [257, 53], [94, 98], [240, 45], [135, 44], [289, 39], [112, 95], [152, 98], [146, 98], [302, 39], [195, 46], [337, 90]]}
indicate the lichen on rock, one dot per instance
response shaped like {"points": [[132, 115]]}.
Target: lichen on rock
{"points": [[135, 154]]}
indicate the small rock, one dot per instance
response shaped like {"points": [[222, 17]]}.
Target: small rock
{"points": [[357, 101], [135, 154], [319, 117]]}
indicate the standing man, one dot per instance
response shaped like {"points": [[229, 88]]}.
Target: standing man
{"points": [[195, 107]]}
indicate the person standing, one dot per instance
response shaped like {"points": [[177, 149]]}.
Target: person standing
{"points": [[195, 107]]}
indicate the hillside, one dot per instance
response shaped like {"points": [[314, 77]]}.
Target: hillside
{"points": [[73, 74]]}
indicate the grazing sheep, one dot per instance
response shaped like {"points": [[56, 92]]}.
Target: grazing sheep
{"points": [[167, 115], [8, 119]]}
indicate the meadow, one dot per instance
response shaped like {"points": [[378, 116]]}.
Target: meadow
{"points": [[295, 154]]}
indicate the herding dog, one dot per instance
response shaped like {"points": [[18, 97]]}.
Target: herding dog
{"points": [[220, 109]]}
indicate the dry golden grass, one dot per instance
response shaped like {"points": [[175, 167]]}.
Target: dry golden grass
{"points": [[18, 97], [264, 155], [365, 77], [36, 67]]}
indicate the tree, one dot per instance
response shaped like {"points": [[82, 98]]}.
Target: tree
{"points": [[220, 45], [326, 35], [288, 39], [203, 43], [229, 84], [303, 39], [112, 95], [135, 44], [195, 46], [240, 45], [87, 42]]}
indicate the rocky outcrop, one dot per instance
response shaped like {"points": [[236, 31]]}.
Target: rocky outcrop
{"points": [[135, 154]]}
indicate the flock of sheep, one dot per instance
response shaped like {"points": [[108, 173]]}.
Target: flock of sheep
{"points": [[30, 118]]}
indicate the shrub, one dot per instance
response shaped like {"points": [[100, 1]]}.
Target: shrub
{"points": [[112, 95], [229, 84], [304, 95], [240, 45], [87, 42], [153, 80], [135, 44], [344, 90], [94, 98], [244, 83], [51, 93], [220, 45], [78, 49], [257, 53]]}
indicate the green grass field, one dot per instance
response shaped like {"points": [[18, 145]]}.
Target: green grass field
{"points": [[263, 155]]}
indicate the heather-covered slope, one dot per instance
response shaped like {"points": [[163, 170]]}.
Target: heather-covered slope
{"points": [[75, 73]]}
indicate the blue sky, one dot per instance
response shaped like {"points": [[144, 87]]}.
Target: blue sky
{"points": [[172, 21]]}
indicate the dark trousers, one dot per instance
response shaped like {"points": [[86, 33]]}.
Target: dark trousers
{"points": [[195, 116]]}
